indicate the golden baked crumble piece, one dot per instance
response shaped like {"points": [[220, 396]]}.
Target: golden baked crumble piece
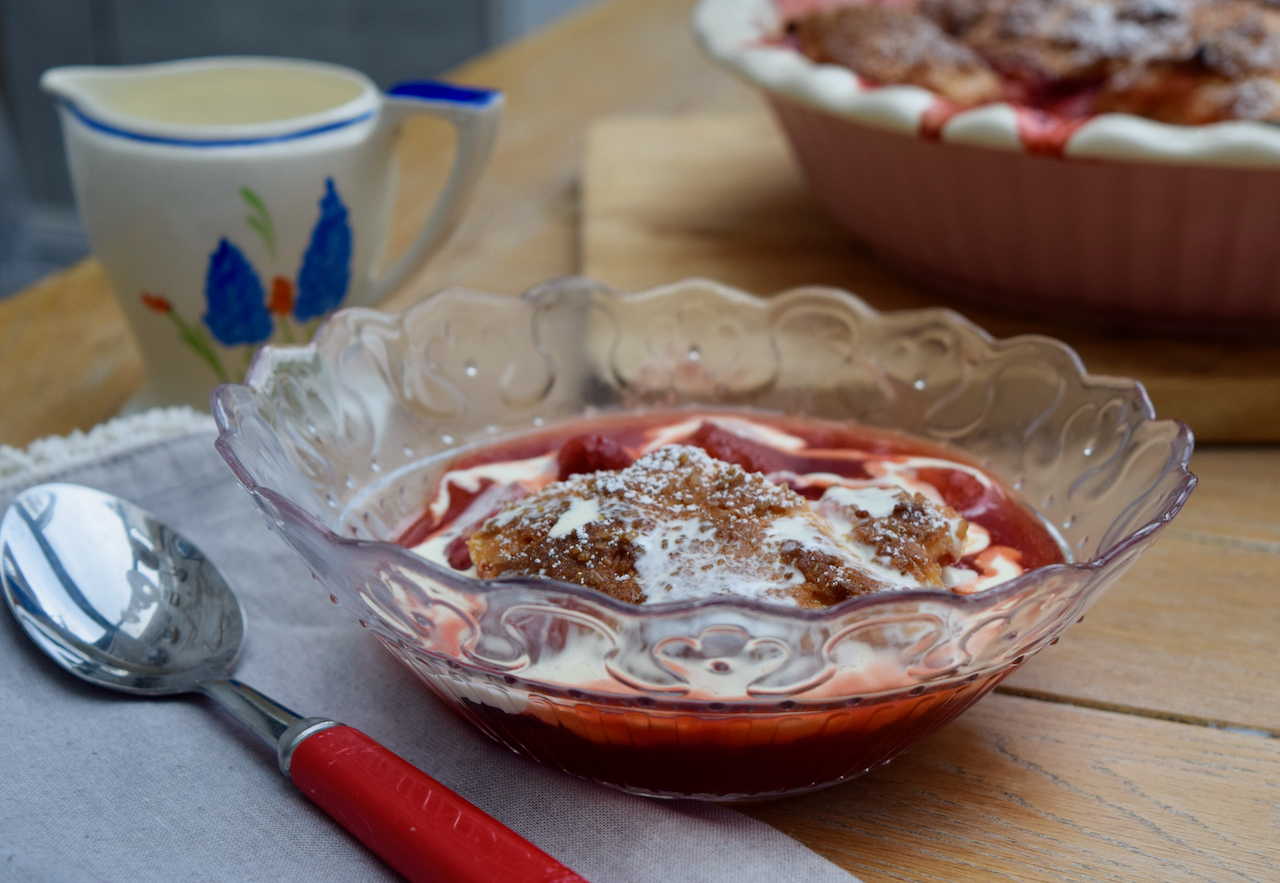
{"points": [[828, 578], [594, 529], [917, 538], [892, 44], [676, 522]]}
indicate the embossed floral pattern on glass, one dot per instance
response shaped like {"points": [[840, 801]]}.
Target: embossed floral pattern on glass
{"points": [[339, 441]]}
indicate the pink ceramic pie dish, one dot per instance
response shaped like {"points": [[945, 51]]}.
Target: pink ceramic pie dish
{"points": [[1121, 220]]}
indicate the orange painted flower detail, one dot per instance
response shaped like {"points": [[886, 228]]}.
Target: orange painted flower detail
{"points": [[157, 302], [281, 299]]}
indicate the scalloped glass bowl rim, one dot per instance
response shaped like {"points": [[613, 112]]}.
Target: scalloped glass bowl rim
{"points": [[657, 610]]}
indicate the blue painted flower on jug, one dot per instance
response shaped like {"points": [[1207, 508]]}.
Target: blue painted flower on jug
{"points": [[243, 310], [237, 301], [326, 266]]}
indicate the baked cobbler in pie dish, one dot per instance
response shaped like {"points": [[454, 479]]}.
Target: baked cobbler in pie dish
{"points": [[1106, 161], [691, 542], [1188, 62]]}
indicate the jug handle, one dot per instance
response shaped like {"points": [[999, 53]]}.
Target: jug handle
{"points": [[474, 113]]}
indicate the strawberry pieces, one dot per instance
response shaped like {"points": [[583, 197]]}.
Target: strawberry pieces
{"points": [[960, 490], [584, 454], [724, 445]]}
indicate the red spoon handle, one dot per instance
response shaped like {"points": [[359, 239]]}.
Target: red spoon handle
{"points": [[420, 827]]}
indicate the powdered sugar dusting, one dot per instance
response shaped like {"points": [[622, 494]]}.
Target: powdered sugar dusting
{"points": [[679, 524]]}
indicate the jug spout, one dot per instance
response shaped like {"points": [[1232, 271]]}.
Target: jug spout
{"points": [[71, 83]]}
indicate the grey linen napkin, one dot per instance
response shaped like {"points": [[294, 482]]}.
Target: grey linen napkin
{"points": [[99, 786]]}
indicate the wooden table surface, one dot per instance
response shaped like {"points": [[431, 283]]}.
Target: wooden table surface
{"points": [[1144, 746]]}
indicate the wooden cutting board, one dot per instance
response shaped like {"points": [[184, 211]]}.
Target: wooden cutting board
{"points": [[667, 197]]}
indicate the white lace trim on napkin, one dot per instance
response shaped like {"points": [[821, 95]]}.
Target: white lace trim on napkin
{"points": [[48, 456]]}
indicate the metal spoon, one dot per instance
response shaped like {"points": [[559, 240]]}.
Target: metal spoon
{"points": [[120, 599]]}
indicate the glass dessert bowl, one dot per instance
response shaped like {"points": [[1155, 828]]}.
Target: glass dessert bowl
{"points": [[726, 697]]}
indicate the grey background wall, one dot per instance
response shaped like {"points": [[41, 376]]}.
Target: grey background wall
{"points": [[390, 40]]}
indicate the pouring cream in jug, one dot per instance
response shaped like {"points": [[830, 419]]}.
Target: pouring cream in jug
{"points": [[224, 96]]}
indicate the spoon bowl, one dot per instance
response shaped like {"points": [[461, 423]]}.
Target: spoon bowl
{"points": [[114, 595]]}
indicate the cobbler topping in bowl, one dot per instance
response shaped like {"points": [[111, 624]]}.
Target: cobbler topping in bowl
{"points": [[678, 524], [675, 509], [1178, 61]]}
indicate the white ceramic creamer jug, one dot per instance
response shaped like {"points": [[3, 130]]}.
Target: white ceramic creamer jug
{"points": [[237, 200]]}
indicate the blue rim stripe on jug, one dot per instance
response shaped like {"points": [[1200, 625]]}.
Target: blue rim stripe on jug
{"points": [[208, 142], [433, 90]]}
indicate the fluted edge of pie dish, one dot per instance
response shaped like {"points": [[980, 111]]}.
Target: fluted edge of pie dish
{"points": [[740, 35]]}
